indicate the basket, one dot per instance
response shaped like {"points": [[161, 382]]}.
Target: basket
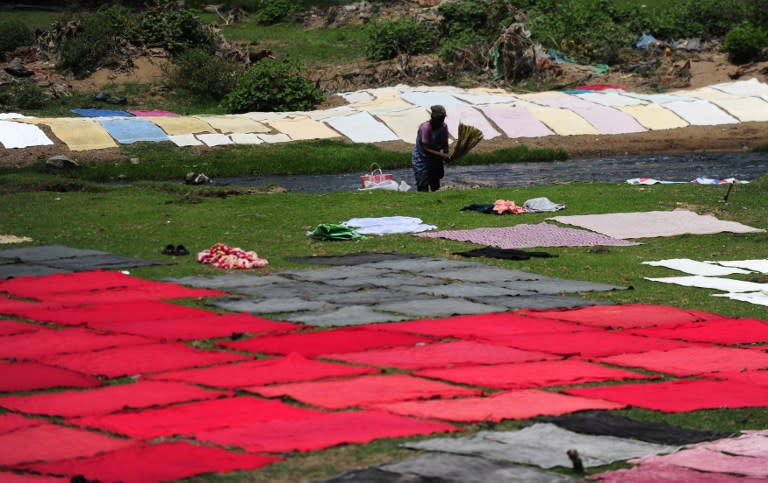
{"points": [[374, 177]]}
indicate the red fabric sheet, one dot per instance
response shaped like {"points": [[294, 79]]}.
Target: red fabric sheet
{"points": [[211, 325], [693, 360], [188, 419], [141, 359], [43, 343], [757, 378], [363, 391], [148, 291], [14, 307], [27, 376], [625, 316], [159, 462], [485, 326], [107, 399], [533, 374], [681, 395], [660, 472], [11, 327], [322, 431], [40, 286], [505, 405], [292, 368], [11, 422], [117, 312], [718, 331], [27, 478], [591, 344], [50, 442], [440, 355], [325, 342]]}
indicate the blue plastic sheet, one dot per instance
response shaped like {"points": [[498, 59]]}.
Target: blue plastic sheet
{"points": [[131, 130], [87, 112]]}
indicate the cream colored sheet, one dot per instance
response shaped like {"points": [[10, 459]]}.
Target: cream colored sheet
{"points": [[303, 128], [405, 123], [654, 116], [561, 121], [79, 134], [177, 125], [234, 124]]}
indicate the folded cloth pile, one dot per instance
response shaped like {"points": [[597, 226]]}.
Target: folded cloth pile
{"points": [[507, 206], [224, 256]]}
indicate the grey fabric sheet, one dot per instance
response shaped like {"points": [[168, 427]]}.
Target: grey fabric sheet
{"points": [[47, 252], [471, 469], [375, 475], [12, 270], [544, 445], [354, 258]]}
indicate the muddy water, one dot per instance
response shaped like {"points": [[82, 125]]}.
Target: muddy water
{"points": [[679, 167]]}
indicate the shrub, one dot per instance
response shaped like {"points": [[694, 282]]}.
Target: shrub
{"points": [[164, 25], [484, 18], [273, 85], [269, 12], [13, 34], [23, 95], [202, 74], [745, 43], [386, 39]]}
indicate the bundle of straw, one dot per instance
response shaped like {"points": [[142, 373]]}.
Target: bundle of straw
{"points": [[469, 137]]}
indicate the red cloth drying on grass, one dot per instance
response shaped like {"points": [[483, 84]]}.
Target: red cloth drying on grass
{"points": [[348, 339], [717, 331], [681, 395], [292, 368], [39, 286], [27, 376], [158, 462], [191, 418], [49, 442], [105, 312], [107, 399], [591, 344], [755, 378], [363, 391], [140, 359], [693, 360], [149, 291], [12, 327], [322, 431], [43, 343], [483, 326], [209, 326], [28, 478], [10, 306], [625, 316], [10, 422], [440, 355], [532, 374], [504, 405]]}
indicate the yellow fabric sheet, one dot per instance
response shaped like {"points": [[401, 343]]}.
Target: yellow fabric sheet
{"points": [[384, 98], [78, 133], [405, 123], [654, 116], [303, 128], [561, 121], [234, 124], [177, 125], [745, 109]]}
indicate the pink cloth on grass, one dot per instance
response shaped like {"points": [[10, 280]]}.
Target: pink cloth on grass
{"points": [[625, 316], [707, 461], [716, 331], [691, 361]]}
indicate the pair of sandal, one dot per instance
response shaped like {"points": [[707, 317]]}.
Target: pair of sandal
{"points": [[178, 250]]}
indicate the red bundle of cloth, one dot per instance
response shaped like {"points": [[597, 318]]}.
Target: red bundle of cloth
{"points": [[231, 258]]}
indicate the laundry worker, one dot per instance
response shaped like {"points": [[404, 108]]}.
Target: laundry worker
{"points": [[431, 151]]}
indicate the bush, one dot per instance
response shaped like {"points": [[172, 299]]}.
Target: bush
{"points": [[23, 95], [745, 43], [163, 24], [273, 85], [269, 12], [13, 34], [484, 18], [387, 39], [202, 74]]}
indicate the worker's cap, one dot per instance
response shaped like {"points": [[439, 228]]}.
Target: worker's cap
{"points": [[437, 111]]}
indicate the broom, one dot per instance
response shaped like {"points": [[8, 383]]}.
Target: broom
{"points": [[469, 137]]}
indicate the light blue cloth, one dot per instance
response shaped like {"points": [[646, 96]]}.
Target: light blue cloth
{"points": [[131, 130], [101, 113]]}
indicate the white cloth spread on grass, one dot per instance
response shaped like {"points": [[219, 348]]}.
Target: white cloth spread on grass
{"points": [[715, 283], [362, 128], [388, 225], [214, 139], [755, 265], [757, 298], [693, 267], [535, 205], [185, 140], [654, 224], [19, 135]]}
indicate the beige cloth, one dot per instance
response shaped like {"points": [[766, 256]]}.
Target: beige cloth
{"points": [[79, 134], [384, 98], [234, 124], [176, 125], [560, 121], [6, 239], [654, 116], [405, 123], [303, 128]]}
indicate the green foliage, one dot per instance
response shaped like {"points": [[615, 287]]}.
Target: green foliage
{"points": [[175, 29], [386, 39], [13, 34], [745, 43], [268, 12], [23, 95], [202, 74], [96, 41], [484, 18], [273, 85]]}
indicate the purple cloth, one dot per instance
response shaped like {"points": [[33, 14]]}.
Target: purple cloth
{"points": [[606, 120], [516, 122], [529, 236]]}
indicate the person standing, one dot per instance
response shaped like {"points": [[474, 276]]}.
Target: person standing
{"points": [[431, 151]]}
